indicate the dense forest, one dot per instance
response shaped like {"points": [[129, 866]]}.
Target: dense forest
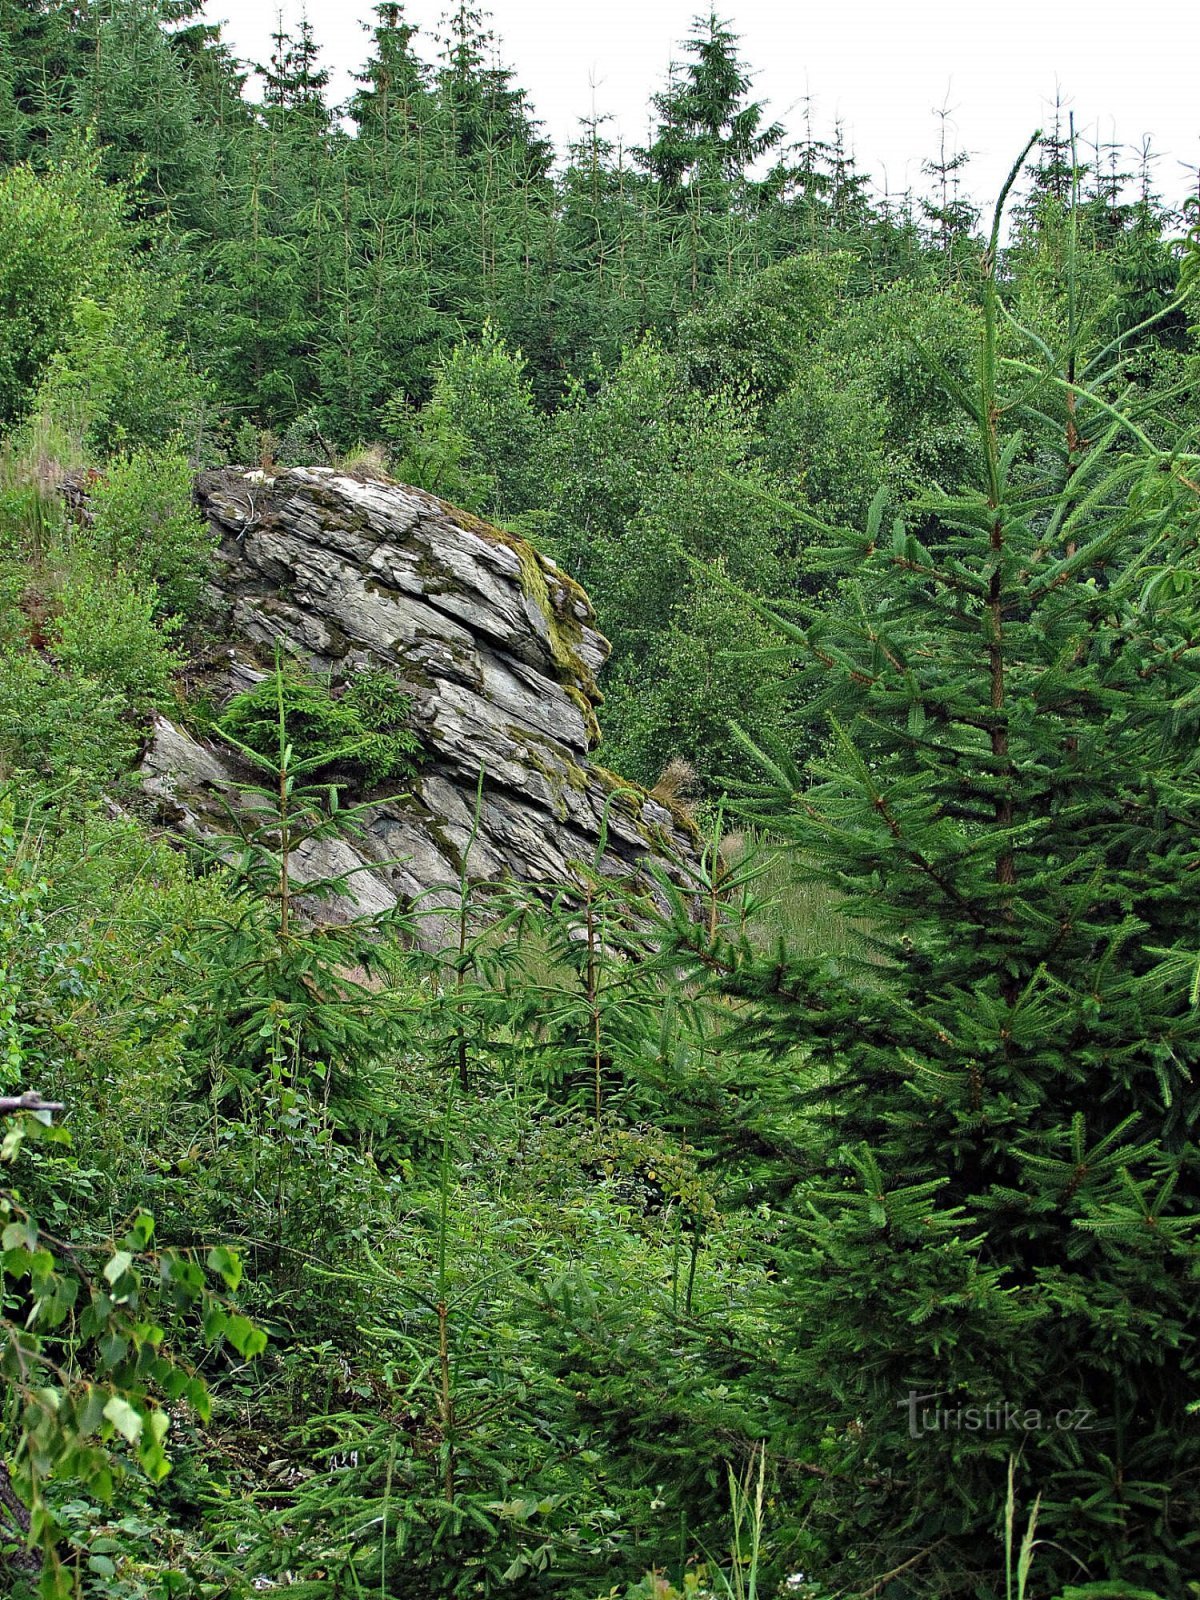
{"points": [[820, 1224]]}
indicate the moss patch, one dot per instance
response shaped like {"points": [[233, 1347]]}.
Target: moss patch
{"points": [[588, 708], [635, 797], [559, 771], [564, 629]]}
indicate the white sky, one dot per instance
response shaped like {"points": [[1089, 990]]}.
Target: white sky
{"points": [[883, 68]]}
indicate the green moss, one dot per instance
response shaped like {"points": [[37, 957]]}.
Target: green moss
{"points": [[629, 794], [559, 771], [338, 514], [632, 797], [588, 708], [563, 628]]}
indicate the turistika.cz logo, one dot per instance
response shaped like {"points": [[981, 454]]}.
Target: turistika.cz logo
{"points": [[998, 1416]]}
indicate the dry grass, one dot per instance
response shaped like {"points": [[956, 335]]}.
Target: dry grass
{"points": [[368, 462], [676, 781]]}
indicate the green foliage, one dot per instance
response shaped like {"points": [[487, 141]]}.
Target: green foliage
{"points": [[291, 1011], [708, 131], [61, 731], [867, 409], [642, 481], [44, 247], [362, 732], [587, 1014], [106, 632], [997, 1204], [554, 1222], [477, 442], [84, 1323], [703, 673], [753, 341], [144, 521], [647, 477], [85, 313], [737, 1579], [82, 661], [508, 1341], [114, 379], [1190, 268], [143, 106]]}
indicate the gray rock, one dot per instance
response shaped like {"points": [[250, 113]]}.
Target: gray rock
{"points": [[498, 649]]}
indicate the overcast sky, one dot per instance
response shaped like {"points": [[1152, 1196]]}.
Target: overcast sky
{"points": [[1127, 71]]}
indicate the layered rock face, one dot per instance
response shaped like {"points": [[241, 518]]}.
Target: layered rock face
{"points": [[497, 648]]}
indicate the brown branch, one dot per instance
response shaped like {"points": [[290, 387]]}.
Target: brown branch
{"points": [[915, 855], [14, 1524], [31, 1100], [868, 1594]]}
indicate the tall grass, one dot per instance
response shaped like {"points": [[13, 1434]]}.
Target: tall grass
{"points": [[807, 916], [1016, 1578], [33, 465], [746, 1494]]}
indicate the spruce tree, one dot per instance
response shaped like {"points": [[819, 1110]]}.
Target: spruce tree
{"points": [[993, 1246], [294, 82], [482, 108], [392, 89], [136, 98], [44, 50], [392, 193], [707, 126], [949, 214], [709, 135]]}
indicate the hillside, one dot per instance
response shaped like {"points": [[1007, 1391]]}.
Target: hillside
{"points": [[598, 894]]}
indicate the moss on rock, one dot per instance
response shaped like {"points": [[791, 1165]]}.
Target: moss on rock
{"points": [[564, 628]]}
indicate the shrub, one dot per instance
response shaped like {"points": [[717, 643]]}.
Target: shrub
{"points": [[107, 632], [363, 731], [114, 379], [80, 665], [60, 728], [86, 311], [145, 522], [42, 253], [479, 440]]}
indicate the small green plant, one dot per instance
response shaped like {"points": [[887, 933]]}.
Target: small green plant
{"points": [[363, 732], [592, 1006], [88, 1377], [32, 465], [1016, 1578], [106, 631], [746, 1495], [290, 1008], [737, 1578], [144, 521], [59, 730], [82, 662]]}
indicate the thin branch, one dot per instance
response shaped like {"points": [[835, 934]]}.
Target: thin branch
{"points": [[868, 1594], [31, 1100]]}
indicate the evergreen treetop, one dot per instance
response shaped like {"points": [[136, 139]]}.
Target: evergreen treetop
{"points": [[707, 125]]}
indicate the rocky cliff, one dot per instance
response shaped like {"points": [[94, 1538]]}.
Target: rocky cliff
{"points": [[496, 646]]}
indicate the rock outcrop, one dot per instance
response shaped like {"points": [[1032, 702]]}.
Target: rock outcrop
{"points": [[497, 648]]}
